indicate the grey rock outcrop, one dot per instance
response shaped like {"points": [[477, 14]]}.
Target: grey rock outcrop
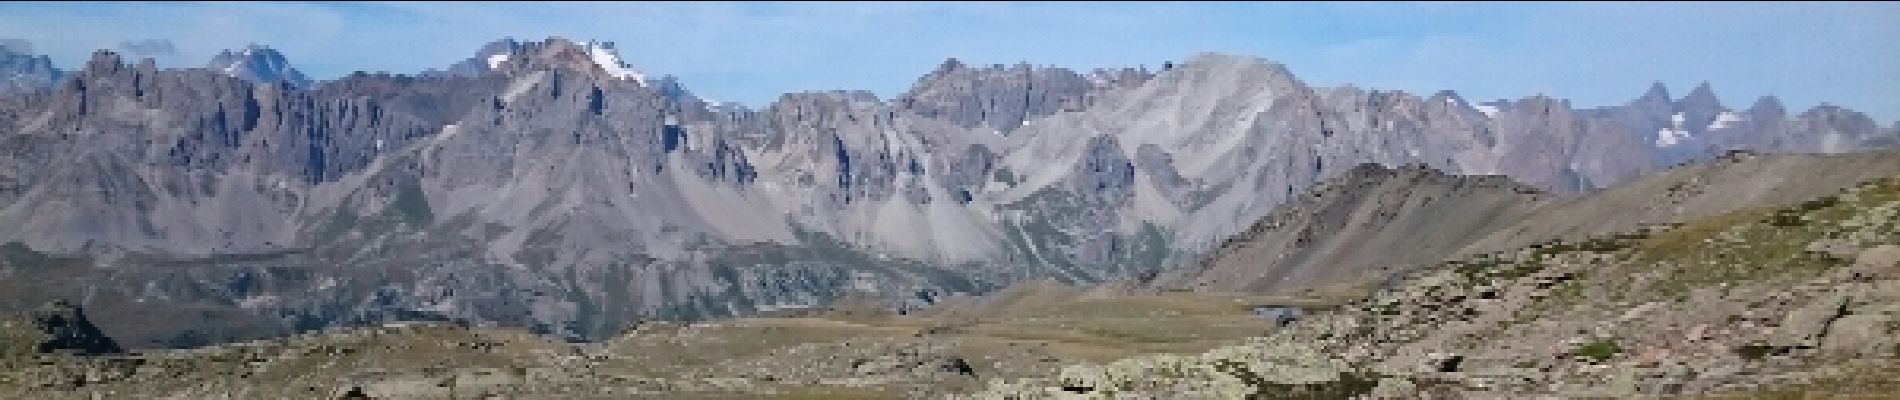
{"points": [[995, 97]]}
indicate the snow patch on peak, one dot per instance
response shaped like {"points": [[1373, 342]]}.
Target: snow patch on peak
{"points": [[1724, 120], [1489, 111], [494, 61], [1675, 133], [609, 60], [1669, 137]]}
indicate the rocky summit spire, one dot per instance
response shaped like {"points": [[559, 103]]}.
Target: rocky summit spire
{"points": [[1657, 91], [104, 62], [950, 64], [1655, 103], [1767, 108], [1000, 98], [1700, 97], [510, 57]]}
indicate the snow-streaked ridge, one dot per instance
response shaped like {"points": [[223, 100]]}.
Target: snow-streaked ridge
{"points": [[1675, 133], [604, 55], [1724, 120]]}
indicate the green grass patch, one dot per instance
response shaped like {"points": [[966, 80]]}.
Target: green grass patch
{"points": [[1764, 243], [411, 205], [1598, 351]]}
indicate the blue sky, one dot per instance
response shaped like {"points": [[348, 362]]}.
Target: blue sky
{"points": [[1595, 54]]}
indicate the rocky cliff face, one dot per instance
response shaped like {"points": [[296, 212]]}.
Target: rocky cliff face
{"points": [[1006, 98], [549, 185]]}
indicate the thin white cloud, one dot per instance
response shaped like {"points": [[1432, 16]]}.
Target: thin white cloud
{"points": [[149, 48], [17, 45]]}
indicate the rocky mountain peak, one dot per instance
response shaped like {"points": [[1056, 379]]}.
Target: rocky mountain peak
{"points": [[1208, 61], [486, 60], [22, 70], [1702, 97], [1657, 91], [673, 90], [257, 63], [626, 174], [1002, 98], [1226, 70], [1767, 108], [1655, 104], [1447, 96], [949, 65], [508, 57], [104, 62]]}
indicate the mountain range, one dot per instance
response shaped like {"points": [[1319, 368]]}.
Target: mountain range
{"points": [[549, 185]]}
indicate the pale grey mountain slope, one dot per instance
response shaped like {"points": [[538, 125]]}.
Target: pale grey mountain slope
{"points": [[1372, 223], [1356, 229], [547, 184], [1699, 190]]}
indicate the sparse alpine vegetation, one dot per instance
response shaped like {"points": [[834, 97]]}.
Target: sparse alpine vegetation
{"points": [[1755, 302]]}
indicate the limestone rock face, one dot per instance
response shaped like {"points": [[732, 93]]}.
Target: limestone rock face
{"points": [[996, 97]]}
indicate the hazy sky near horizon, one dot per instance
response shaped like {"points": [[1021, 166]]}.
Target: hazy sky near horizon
{"points": [[1594, 54]]}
